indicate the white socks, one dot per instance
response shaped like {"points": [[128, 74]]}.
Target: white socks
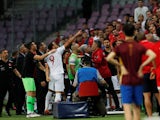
{"points": [[57, 97], [48, 98]]}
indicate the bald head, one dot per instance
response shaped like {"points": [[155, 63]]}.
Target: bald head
{"points": [[75, 47], [140, 36]]}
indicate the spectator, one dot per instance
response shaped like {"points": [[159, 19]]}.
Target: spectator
{"points": [[155, 6], [126, 18], [131, 19], [141, 9]]}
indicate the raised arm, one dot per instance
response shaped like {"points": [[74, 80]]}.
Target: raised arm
{"points": [[41, 57], [72, 39]]}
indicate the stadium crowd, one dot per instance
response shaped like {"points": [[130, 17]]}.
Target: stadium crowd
{"points": [[127, 51]]}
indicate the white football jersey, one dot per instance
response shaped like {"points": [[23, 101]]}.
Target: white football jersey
{"points": [[54, 61]]}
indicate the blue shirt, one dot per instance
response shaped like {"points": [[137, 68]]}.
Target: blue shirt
{"points": [[87, 74]]}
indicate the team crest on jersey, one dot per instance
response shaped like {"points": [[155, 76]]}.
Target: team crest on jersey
{"points": [[9, 64], [51, 58]]}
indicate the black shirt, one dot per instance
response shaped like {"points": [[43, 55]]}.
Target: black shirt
{"points": [[20, 62], [40, 75], [6, 69], [13, 76], [111, 66], [29, 65]]}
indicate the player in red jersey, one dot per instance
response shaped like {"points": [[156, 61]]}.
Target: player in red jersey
{"points": [[149, 85]]}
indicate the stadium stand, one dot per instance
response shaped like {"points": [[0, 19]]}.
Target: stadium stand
{"points": [[45, 16], [25, 17]]}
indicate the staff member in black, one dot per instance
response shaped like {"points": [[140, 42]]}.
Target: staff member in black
{"points": [[6, 68], [19, 88], [40, 80], [11, 91]]}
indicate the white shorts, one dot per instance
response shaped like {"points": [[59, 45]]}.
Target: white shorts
{"points": [[56, 83]]}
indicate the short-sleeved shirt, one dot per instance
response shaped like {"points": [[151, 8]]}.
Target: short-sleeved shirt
{"points": [[157, 51], [99, 62], [131, 54], [73, 60], [54, 61], [6, 69], [149, 45], [29, 65]]}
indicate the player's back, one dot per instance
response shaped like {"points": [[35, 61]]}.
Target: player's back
{"points": [[54, 61], [131, 54]]}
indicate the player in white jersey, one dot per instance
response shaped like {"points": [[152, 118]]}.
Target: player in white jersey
{"points": [[55, 71]]}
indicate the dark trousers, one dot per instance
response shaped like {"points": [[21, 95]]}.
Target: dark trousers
{"points": [[40, 96], [3, 91], [19, 93], [11, 96], [110, 91], [67, 86]]}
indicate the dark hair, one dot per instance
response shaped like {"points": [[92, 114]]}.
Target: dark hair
{"points": [[50, 46], [28, 45], [129, 29], [38, 45], [98, 42], [140, 1], [14, 53], [106, 38], [86, 60], [110, 24], [1, 50], [131, 16], [149, 11], [146, 24], [128, 15]]}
